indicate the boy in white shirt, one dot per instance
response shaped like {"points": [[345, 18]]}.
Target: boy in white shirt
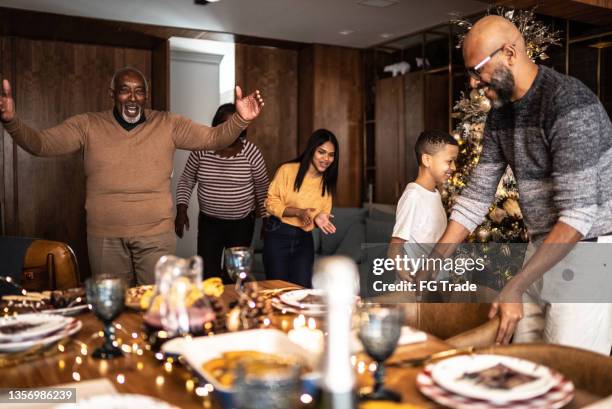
{"points": [[420, 217]]}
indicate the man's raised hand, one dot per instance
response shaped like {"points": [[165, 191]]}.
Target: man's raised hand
{"points": [[7, 104], [250, 106]]}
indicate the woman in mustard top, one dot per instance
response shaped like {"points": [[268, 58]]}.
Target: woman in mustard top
{"points": [[300, 199]]}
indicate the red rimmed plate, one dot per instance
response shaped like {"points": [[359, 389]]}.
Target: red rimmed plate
{"points": [[556, 397]]}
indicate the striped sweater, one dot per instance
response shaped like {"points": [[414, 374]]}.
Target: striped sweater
{"points": [[558, 141], [228, 188]]}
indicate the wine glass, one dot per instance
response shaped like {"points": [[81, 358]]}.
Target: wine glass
{"points": [[106, 294], [265, 383], [380, 328], [238, 262]]}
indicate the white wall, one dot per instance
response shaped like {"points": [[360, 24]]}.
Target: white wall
{"points": [[198, 85]]}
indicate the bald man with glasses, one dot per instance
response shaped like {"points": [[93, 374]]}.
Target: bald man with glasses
{"points": [[557, 137]]}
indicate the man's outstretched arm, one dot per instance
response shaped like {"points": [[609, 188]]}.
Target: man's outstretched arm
{"points": [[68, 137]]}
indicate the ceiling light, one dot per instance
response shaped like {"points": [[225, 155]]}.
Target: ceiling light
{"points": [[377, 3], [346, 32], [386, 35]]}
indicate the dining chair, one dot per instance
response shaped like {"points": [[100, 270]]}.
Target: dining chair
{"points": [[458, 324], [49, 265]]}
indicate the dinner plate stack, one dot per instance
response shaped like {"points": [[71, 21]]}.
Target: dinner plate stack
{"points": [[307, 302], [25, 331], [494, 381]]}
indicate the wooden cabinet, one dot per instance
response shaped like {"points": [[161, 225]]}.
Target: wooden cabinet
{"points": [[331, 97], [406, 105], [390, 139]]}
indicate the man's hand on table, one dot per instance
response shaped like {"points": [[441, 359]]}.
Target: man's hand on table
{"points": [[509, 307]]}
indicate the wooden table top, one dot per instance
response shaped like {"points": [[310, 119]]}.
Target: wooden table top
{"points": [[147, 375]]}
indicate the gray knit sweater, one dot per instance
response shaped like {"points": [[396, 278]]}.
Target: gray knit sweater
{"points": [[558, 141]]}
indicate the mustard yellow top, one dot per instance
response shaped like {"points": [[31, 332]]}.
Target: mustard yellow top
{"points": [[282, 195]]}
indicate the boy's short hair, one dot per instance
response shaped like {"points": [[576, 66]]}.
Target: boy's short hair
{"points": [[430, 142]]}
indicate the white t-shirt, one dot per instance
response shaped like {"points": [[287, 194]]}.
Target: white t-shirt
{"points": [[420, 216]]}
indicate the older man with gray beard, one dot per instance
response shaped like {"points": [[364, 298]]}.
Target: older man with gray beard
{"points": [[128, 153]]}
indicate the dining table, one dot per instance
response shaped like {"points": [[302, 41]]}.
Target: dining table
{"points": [[150, 373]]}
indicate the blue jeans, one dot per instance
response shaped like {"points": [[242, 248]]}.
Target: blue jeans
{"points": [[288, 253]]}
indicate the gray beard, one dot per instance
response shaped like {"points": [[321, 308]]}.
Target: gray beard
{"points": [[502, 83], [131, 120]]}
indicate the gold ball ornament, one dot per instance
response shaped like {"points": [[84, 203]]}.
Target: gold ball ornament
{"points": [[483, 234], [475, 94], [484, 104]]}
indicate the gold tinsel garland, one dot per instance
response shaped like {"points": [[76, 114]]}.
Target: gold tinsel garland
{"points": [[504, 222]]}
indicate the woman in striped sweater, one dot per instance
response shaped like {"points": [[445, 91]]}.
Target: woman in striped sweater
{"points": [[232, 188]]}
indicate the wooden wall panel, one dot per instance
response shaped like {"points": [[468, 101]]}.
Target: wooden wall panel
{"points": [[337, 105], [274, 72], [306, 96], [160, 77], [55, 80], [414, 112], [436, 101], [389, 134], [7, 195]]}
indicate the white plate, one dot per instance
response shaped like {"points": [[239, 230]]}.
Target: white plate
{"points": [[294, 299], [197, 351], [74, 327], [44, 324], [117, 401], [314, 312], [448, 373], [67, 312]]}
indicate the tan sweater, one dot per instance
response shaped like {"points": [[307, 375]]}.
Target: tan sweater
{"points": [[281, 195], [128, 173]]}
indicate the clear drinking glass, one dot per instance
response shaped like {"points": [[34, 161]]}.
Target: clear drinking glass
{"points": [[380, 327], [106, 294], [266, 384], [238, 263]]}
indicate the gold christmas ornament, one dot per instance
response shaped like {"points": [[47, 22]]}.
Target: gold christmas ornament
{"points": [[478, 127], [497, 215], [483, 234], [484, 104], [512, 207]]}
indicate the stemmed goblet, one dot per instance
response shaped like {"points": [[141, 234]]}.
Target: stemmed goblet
{"points": [[380, 327], [106, 294], [238, 262]]}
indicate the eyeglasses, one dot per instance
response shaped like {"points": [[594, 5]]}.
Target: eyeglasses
{"points": [[474, 71]]}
